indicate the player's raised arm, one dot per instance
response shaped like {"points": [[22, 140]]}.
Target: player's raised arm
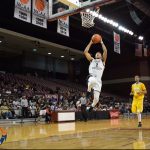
{"points": [[86, 51], [104, 52]]}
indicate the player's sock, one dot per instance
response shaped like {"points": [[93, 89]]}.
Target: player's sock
{"points": [[139, 117], [139, 120]]}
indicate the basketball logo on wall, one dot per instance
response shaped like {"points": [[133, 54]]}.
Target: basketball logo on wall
{"points": [[23, 10], [3, 137], [24, 1], [40, 5], [40, 13]]}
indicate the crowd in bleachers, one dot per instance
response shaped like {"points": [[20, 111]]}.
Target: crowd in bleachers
{"points": [[25, 95]]}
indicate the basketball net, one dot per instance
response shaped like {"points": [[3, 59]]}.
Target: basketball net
{"points": [[88, 18]]}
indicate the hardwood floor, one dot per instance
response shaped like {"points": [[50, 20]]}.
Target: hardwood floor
{"points": [[105, 134]]}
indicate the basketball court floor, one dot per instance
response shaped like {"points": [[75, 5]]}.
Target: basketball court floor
{"points": [[99, 134]]}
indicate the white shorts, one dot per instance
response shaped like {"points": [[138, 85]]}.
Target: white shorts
{"points": [[95, 84]]}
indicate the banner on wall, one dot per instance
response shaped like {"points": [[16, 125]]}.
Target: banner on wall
{"points": [[40, 13], [63, 24], [138, 50], [23, 10], [146, 51], [116, 43]]}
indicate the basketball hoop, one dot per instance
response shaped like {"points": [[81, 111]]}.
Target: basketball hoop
{"points": [[88, 18]]}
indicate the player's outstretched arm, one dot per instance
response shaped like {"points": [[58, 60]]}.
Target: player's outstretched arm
{"points": [[86, 51], [104, 52]]}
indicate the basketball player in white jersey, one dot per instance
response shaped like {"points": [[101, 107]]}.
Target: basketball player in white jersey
{"points": [[96, 68]]}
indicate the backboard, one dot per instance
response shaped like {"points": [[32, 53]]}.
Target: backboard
{"points": [[58, 9]]}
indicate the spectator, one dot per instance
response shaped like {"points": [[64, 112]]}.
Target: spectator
{"points": [[24, 104], [83, 102], [33, 110], [14, 86], [48, 114], [5, 111], [17, 107]]}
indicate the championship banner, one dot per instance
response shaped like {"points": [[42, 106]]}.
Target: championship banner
{"points": [[116, 43], [138, 50], [23, 10], [40, 12], [63, 25], [146, 51]]}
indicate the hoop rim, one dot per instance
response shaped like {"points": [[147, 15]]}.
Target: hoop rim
{"points": [[85, 12]]}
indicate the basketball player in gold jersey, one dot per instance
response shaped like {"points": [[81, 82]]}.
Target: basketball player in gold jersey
{"points": [[138, 91]]}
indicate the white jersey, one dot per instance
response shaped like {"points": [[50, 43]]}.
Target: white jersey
{"points": [[96, 68]]}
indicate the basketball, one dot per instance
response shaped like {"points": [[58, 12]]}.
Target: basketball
{"points": [[40, 5], [96, 38], [24, 1]]}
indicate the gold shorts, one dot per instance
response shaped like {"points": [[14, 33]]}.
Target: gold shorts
{"points": [[137, 106]]}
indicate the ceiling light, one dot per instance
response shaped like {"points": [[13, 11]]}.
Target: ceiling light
{"points": [[62, 56], [141, 38], [105, 19], [49, 53], [34, 50], [113, 23], [131, 33], [120, 27], [87, 10], [100, 16], [0, 41], [72, 58], [96, 14]]}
